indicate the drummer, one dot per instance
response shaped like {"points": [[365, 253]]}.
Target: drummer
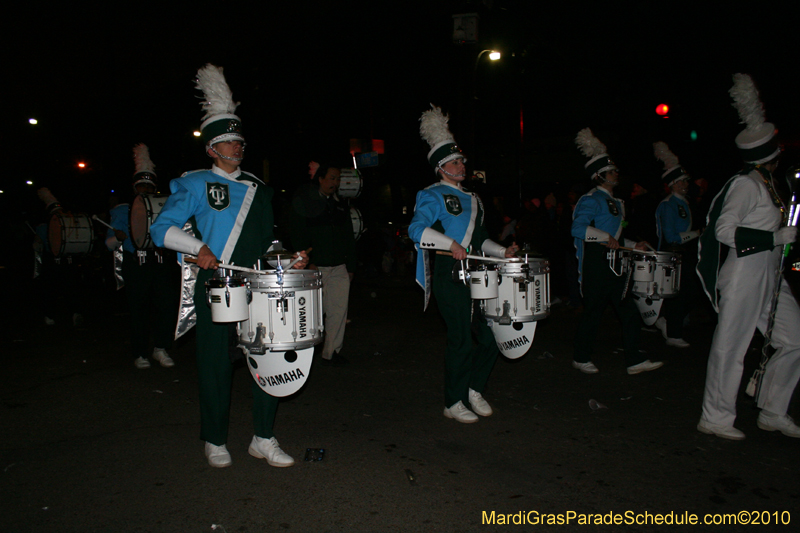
{"points": [[675, 234], [150, 276], [232, 214], [597, 224], [447, 217]]}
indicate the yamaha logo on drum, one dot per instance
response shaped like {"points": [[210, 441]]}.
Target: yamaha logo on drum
{"points": [[302, 321], [537, 298]]}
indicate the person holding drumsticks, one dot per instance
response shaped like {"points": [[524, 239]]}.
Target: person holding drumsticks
{"points": [[150, 277], [675, 234], [446, 217], [233, 223], [597, 224]]}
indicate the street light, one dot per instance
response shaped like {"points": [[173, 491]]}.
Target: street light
{"points": [[494, 55]]}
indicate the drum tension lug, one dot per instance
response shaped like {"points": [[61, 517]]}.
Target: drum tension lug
{"points": [[505, 320]]}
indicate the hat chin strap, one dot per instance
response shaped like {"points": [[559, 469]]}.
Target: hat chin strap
{"points": [[225, 156], [451, 175]]}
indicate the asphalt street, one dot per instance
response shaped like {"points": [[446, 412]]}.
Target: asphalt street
{"points": [[89, 443]]}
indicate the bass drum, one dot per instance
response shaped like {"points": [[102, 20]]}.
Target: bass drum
{"points": [[350, 183], [144, 211], [70, 234], [358, 223]]}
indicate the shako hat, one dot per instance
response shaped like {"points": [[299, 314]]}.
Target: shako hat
{"points": [[219, 122], [673, 171], [591, 147], [434, 130], [758, 142], [145, 169]]}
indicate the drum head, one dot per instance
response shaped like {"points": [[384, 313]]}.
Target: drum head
{"points": [[513, 340], [280, 374], [54, 232], [139, 222]]}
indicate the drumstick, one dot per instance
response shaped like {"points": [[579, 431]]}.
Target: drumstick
{"points": [[297, 259], [103, 222], [476, 257], [229, 267]]}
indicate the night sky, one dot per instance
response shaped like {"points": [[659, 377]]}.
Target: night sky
{"points": [[312, 75]]}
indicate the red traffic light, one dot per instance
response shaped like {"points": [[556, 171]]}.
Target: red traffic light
{"points": [[662, 109]]}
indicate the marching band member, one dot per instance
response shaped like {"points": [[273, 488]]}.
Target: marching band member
{"points": [[748, 216], [233, 223], [149, 276], [675, 234], [321, 221], [597, 224], [446, 217]]}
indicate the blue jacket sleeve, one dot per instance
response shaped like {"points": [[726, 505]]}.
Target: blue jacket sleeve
{"points": [[179, 207], [425, 215], [582, 217]]}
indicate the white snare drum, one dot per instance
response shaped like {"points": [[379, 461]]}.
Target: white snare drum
{"points": [[350, 183], [144, 211], [285, 311], [483, 282], [644, 266], [70, 233], [228, 298], [523, 292], [657, 275], [358, 223]]}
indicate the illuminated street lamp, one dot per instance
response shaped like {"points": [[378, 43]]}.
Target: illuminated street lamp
{"points": [[494, 55], [196, 133], [33, 121]]}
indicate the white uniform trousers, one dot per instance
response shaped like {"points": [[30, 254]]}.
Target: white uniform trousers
{"points": [[335, 297], [745, 305]]}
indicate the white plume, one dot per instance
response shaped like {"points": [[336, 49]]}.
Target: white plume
{"points": [[433, 126], [589, 145], [746, 101], [46, 196], [663, 153], [218, 98], [141, 159]]}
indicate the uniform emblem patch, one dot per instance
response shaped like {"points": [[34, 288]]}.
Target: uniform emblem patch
{"points": [[453, 204], [612, 207], [217, 195], [681, 212]]}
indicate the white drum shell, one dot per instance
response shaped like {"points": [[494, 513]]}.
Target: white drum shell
{"points": [[228, 299], [349, 184], [289, 308], [666, 278], [70, 233], [644, 266], [525, 287], [483, 284]]}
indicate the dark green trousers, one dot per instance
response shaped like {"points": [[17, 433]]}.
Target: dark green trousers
{"points": [[152, 290], [467, 365], [215, 374], [601, 288]]}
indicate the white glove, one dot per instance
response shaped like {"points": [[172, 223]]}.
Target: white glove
{"points": [[785, 235]]}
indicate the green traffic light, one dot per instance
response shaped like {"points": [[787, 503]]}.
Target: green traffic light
{"points": [[693, 135]]}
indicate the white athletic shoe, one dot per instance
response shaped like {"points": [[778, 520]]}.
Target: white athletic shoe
{"points": [[270, 450]]}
